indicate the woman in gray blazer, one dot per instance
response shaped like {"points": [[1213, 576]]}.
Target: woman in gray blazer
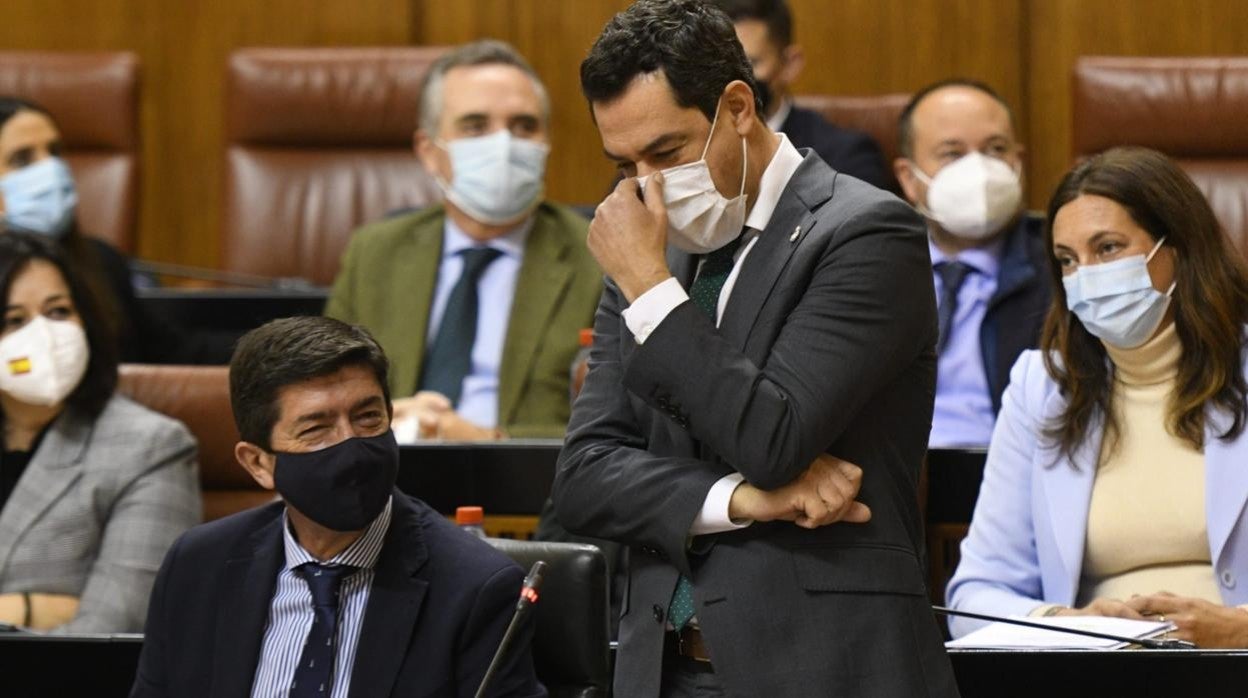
{"points": [[93, 487]]}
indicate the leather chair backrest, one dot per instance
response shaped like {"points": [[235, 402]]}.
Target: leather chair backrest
{"points": [[1193, 109], [875, 114], [94, 98], [199, 397], [319, 141], [571, 638]]}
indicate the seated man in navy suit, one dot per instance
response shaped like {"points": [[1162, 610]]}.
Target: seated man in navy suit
{"points": [[765, 30], [346, 588]]}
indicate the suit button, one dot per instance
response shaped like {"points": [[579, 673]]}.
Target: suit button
{"points": [[1228, 579], [658, 613]]}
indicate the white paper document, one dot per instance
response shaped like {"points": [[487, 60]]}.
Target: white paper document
{"points": [[1006, 636]]}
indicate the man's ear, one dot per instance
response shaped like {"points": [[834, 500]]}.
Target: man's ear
{"points": [[910, 185], [739, 102], [258, 463], [429, 154], [794, 62]]}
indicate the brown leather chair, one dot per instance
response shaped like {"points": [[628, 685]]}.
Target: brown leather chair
{"points": [[95, 100], [1193, 109], [319, 142], [199, 397], [875, 114]]}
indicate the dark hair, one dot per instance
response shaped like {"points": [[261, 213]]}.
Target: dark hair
{"points": [[288, 351], [1210, 302], [905, 121], [11, 106], [774, 14], [17, 251], [76, 246], [691, 41]]}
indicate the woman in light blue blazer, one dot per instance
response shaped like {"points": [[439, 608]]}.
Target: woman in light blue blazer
{"points": [[93, 487], [1117, 477]]}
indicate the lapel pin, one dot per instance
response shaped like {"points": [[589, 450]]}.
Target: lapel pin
{"points": [[796, 232]]}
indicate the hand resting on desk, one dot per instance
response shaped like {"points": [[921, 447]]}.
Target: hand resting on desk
{"points": [[435, 419]]}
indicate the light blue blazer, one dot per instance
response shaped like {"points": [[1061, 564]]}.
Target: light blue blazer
{"points": [[1025, 546]]}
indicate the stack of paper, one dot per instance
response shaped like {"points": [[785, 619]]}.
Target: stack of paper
{"points": [[1006, 636]]}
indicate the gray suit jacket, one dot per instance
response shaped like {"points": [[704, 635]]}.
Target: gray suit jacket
{"points": [[95, 511], [826, 345]]}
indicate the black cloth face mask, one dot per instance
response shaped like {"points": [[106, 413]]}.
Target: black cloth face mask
{"points": [[342, 487]]}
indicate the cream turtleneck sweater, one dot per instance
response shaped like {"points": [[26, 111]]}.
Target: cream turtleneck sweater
{"points": [[1146, 523]]}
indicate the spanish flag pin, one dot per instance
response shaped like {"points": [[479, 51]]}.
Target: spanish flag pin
{"points": [[20, 366]]}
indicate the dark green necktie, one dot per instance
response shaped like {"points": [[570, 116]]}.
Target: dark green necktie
{"points": [[449, 359], [716, 266]]}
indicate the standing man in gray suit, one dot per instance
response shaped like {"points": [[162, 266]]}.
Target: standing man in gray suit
{"points": [[760, 389]]}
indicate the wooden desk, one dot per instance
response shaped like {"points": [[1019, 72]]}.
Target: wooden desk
{"points": [[103, 666], [1126, 673], [510, 480]]}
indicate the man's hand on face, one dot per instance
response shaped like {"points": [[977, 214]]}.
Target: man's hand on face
{"points": [[628, 236], [823, 494]]}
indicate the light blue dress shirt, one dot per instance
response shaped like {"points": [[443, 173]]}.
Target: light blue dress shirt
{"points": [[478, 403], [291, 614], [963, 414]]}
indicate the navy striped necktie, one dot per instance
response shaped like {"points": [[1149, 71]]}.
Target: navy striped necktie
{"points": [[315, 674]]}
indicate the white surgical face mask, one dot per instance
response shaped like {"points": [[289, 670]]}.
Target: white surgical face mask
{"points": [[42, 363], [973, 197], [1116, 300], [496, 179], [40, 198], [699, 218]]}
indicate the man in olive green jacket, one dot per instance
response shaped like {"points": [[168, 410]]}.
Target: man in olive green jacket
{"points": [[446, 329]]}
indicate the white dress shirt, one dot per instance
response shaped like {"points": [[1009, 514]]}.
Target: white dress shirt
{"points": [[478, 402], [650, 309]]}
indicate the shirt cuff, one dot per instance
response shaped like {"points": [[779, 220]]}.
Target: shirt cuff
{"points": [[714, 515], [652, 307]]}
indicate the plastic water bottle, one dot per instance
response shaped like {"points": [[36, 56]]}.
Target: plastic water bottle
{"points": [[469, 519]]}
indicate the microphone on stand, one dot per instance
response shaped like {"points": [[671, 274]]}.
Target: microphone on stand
{"points": [[1152, 643], [528, 599]]}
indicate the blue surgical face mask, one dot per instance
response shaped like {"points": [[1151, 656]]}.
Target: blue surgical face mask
{"points": [[40, 198], [1116, 300], [496, 179]]}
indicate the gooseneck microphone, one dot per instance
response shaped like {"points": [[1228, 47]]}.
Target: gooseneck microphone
{"points": [[528, 598], [1152, 643]]}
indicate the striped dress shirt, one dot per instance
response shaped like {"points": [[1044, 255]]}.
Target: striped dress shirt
{"points": [[290, 611]]}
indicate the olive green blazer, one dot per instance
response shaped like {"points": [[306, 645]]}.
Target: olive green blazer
{"points": [[386, 283]]}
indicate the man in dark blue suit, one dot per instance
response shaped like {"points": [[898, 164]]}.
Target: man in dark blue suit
{"points": [[765, 29], [346, 588], [961, 166]]}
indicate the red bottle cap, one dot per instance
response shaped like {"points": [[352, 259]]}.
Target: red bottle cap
{"points": [[469, 516], [587, 336]]}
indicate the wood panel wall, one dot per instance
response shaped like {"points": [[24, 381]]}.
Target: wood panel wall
{"points": [[1062, 30], [1025, 48], [183, 46]]}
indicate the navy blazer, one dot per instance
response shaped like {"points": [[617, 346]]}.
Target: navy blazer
{"points": [[852, 152], [438, 608], [1015, 314]]}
